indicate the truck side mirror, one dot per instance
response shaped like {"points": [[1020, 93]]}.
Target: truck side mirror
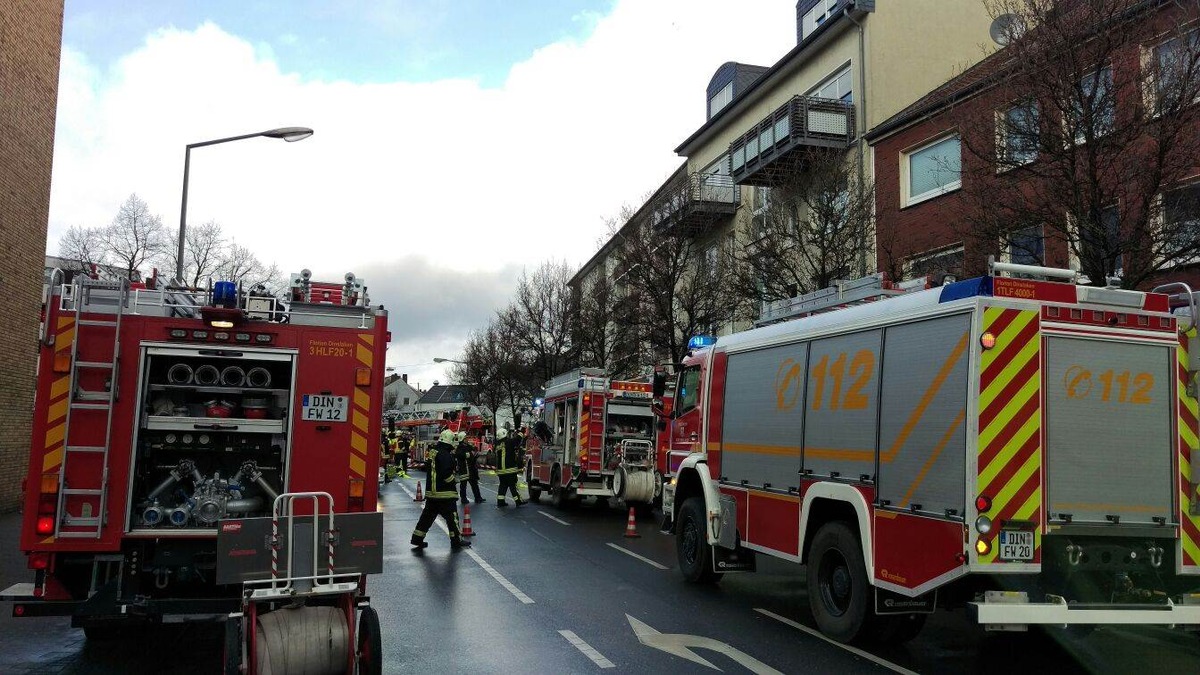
{"points": [[660, 384]]}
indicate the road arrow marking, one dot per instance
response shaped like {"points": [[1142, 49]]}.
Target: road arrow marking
{"points": [[679, 644]]}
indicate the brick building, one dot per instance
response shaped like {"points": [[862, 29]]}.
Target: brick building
{"points": [[978, 167], [30, 47]]}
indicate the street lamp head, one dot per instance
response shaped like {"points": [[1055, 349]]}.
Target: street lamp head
{"points": [[289, 134], [438, 359]]}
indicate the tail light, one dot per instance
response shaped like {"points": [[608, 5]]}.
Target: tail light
{"points": [[982, 547], [362, 377], [62, 361], [39, 561], [47, 504], [357, 490]]}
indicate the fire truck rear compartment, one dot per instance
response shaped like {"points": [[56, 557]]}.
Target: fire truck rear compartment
{"points": [[1108, 433], [212, 436]]}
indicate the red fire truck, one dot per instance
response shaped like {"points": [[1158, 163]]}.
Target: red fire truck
{"points": [[1020, 446], [600, 441], [208, 454]]}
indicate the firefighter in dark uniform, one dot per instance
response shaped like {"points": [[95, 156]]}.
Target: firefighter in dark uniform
{"points": [[507, 466], [441, 499], [402, 448], [468, 470]]}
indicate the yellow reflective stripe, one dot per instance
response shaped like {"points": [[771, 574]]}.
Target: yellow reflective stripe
{"points": [[1019, 361], [1015, 405], [1002, 459]]}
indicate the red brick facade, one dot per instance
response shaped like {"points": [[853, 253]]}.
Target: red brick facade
{"points": [[965, 105], [30, 47]]}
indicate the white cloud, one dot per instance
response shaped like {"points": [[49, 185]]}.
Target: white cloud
{"points": [[471, 179]]}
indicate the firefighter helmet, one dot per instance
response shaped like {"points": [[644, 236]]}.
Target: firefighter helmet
{"points": [[446, 437]]}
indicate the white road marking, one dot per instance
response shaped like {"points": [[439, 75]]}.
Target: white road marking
{"points": [[587, 649], [853, 650], [541, 535], [500, 578], [508, 585], [680, 644], [642, 558], [557, 520]]}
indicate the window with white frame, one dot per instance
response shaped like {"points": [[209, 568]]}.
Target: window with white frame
{"points": [[932, 169], [942, 266], [1095, 112], [1019, 134], [720, 99], [818, 15], [1176, 65], [839, 86], [1026, 246], [1181, 224]]}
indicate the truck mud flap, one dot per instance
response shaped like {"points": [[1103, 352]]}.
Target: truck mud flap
{"points": [[888, 602], [733, 560]]}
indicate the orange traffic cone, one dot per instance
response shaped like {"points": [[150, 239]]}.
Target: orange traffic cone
{"points": [[631, 526], [466, 528], [420, 495]]}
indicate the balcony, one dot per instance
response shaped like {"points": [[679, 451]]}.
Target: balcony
{"points": [[774, 149], [695, 203]]}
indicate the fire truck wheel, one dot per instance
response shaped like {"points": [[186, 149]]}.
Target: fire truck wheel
{"points": [[370, 643], [692, 549], [838, 593], [558, 494], [232, 661], [535, 492]]}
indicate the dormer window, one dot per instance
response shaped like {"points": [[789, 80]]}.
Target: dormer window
{"points": [[817, 15], [720, 99]]}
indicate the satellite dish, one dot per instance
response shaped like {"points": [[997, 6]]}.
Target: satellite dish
{"points": [[1005, 27]]}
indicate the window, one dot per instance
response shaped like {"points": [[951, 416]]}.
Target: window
{"points": [[1026, 246], [1177, 70], [1019, 134], [933, 169], [816, 16], [720, 99], [840, 86], [687, 394], [1095, 112], [942, 266], [405, 400], [712, 259], [1103, 243], [1181, 224]]}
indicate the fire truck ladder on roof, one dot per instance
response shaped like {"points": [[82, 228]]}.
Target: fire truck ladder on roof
{"points": [[115, 293], [841, 294]]}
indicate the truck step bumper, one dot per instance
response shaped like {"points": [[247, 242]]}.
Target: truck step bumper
{"points": [[1001, 610]]}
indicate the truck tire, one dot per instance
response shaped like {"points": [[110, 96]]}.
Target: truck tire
{"points": [[370, 643], [232, 660], [558, 498], [535, 490], [838, 592], [691, 545]]}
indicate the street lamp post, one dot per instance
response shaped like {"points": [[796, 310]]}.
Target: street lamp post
{"points": [[289, 134]]}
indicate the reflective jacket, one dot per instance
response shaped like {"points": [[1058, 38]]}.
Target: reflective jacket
{"points": [[506, 455], [443, 481], [467, 469]]}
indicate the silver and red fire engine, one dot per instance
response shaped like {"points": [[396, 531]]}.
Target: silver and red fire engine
{"points": [[1024, 448]]}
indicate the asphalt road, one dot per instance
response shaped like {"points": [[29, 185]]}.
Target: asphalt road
{"points": [[546, 591]]}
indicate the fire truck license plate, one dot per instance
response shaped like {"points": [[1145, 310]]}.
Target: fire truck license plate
{"points": [[1016, 545], [324, 408]]}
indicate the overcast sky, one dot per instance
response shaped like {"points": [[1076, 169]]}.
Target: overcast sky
{"points": [[457, 141]]}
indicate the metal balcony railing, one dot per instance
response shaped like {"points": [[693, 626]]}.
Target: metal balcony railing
{"points": [[696, 203], [767, 153]]}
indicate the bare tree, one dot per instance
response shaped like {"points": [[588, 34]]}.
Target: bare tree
{"points": [[83, 247], [135, 236], [816, 227], [240, 265], [1093, 131], [675, 286], [204, 250], [539, 320], [595, 335], [499, 375]]}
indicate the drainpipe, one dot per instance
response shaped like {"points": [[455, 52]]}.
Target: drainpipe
{"points": [[862, 119]]}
